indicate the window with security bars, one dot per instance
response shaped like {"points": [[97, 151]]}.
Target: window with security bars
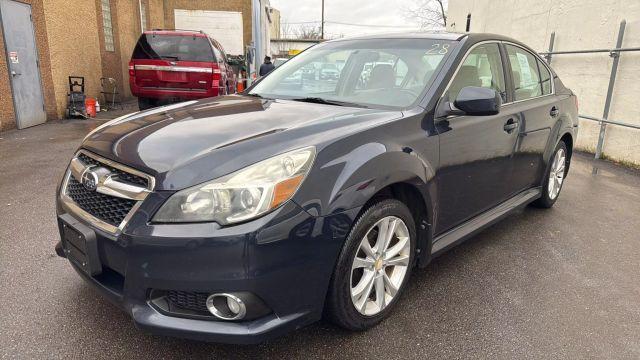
{"points": [[107, 26]]}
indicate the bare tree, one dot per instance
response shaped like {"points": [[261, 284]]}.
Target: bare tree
{"points": [[430, 14], [286, 30], [309, 32]]}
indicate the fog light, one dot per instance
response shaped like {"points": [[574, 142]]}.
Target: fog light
{"points": [[226, 306]]}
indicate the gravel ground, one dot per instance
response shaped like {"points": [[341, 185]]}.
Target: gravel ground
{"points": [[560, 283]]}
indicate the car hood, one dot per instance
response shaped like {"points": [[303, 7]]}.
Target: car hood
{"points": [[192, 142]]}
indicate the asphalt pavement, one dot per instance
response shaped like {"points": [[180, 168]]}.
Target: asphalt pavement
{"points": [[559, 283]]}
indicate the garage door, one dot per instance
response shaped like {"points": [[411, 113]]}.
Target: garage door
{"points": [[224, 26]]}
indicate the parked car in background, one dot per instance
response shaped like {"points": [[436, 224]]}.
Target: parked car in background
{"points": [[240, 218], [279, 61], [170, 66], [309, 72], [329, 71]]}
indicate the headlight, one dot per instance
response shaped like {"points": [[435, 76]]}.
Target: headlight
{"points": [[243, 195]]}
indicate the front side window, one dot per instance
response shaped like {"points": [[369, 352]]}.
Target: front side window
{"points": [[107, 26], [482, 68], [373, 73], [524, 71]]}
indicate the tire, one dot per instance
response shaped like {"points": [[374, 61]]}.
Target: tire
{"points": [[340, 306], [556, 169], [144, 103]]}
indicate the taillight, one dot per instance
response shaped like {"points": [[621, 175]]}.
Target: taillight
{"points": [[577, 105], [217, 78], [132, 71]]}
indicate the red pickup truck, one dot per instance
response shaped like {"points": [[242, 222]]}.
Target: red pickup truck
{"points": [[176, 65]]}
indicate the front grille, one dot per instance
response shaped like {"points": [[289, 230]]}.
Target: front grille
{"points": [[119, 174], [109, 209], [188, 300]]}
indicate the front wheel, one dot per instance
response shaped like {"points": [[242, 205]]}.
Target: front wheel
{"points": [[554, 177], [373, 267]]}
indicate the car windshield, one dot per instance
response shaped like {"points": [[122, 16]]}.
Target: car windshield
{"points": [[372, 73], [173, 47]]}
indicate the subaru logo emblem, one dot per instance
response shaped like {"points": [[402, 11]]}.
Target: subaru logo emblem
{"points": [[89, 179]]}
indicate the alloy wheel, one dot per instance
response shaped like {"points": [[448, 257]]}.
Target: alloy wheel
{"points": [[380, 265], [556, 174]]}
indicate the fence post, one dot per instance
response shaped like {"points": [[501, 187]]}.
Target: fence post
{"points": [[612, 81], [552, 39]]}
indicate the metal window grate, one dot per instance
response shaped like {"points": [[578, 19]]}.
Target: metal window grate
{"points": [[107, 26]]}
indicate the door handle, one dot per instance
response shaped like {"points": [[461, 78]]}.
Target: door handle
{"points": [[13, 73], [554, 112], [510, 126]]}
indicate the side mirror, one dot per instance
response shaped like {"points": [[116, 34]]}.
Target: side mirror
{"points": [[478, 101]]}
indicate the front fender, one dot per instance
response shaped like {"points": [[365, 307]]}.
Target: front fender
{"points": [[350, 180]]}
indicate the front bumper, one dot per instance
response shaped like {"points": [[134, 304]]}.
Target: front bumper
{"points": [[285, 258]]}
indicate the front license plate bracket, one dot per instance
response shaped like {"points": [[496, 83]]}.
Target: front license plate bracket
{"points": [[80, 245]]}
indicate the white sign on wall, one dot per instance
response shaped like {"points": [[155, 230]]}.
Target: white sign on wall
{"points": [[224, 26]]}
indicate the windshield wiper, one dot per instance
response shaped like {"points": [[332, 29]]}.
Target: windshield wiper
{"points": [[318, 100]]}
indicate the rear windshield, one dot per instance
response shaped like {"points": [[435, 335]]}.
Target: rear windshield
{"points": [[173, 47]]}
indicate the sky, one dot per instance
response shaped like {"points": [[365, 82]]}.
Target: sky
{"points": [[371, 16]]}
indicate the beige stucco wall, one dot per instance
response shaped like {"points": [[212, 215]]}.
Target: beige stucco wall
{"points": [[69, 41], [128, 27], [156, 14], [578, 24]]}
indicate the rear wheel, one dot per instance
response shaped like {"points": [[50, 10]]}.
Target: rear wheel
{"points": [[554, 177], [373, 267], [145, 103]]}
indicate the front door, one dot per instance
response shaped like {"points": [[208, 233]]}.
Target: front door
{"points": [[475, 151], [22, 61]]}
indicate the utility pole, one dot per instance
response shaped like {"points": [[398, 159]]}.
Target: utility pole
{"points": [[322, 23]]}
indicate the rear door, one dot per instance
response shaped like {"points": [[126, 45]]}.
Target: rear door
{"points": [[223, 63], [475, 151], [537, 109], [178, 62], [221, 66]]}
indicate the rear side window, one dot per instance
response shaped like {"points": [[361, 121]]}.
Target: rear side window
{"points": [[174, 48], [524, 71], [545, 78], [483, 68]]}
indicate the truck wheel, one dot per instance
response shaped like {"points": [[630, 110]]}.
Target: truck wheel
{"points": [[144, 103]]}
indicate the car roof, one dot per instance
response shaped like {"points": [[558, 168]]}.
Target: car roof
{"points": [[176, 32], [436, 35]]}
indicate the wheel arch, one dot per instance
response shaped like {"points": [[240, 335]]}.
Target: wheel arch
{"points": [[420, 207]]}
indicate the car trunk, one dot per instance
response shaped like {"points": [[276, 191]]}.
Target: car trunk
{"points": [[174, 62], [165, 74]]}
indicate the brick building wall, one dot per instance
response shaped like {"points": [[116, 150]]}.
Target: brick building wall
{"points": [[70, 40]]}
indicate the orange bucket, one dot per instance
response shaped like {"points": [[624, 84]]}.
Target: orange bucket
{"points": [[90, 106]]}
